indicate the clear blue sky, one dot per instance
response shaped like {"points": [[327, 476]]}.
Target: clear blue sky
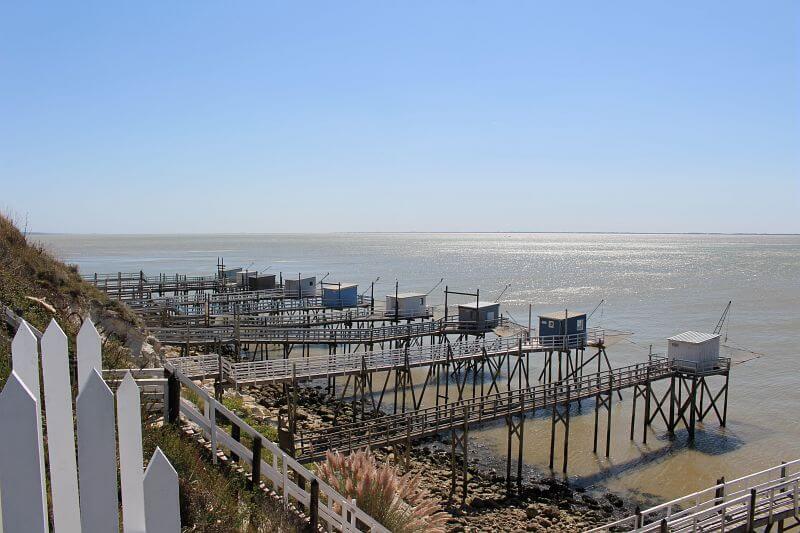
{"points": [[142, 117]]}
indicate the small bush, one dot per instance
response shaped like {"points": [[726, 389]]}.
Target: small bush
{"points": [[394, 500]]}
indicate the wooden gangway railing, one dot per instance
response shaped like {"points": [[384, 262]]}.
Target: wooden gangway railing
{"points": [[262, 304], [268, 464], [268, 333], [343, 364], [760, 499], [321, 317], [429, 421], [130, 285]]}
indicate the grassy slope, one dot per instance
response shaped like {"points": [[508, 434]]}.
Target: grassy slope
{"points": [[28, 271], [212, 500]]}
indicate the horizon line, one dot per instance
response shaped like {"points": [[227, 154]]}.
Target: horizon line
{"points": [[492, 232]]}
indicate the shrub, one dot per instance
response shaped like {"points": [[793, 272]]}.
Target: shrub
{"points": [[394, 500]]}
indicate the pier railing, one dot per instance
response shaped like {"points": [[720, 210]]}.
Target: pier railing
{"points": [[755, 500], [296, 335], [429, 421], [267, 463], [200, 305], [307, 368], [341, 364]]}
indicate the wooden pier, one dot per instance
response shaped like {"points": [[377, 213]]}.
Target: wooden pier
{"points": [[364, 342], [132, 285], [763, 499], [512, 405], [324, 334]]}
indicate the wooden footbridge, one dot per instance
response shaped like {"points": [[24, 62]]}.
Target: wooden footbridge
{"points": [[512, 405], [133, 285], [425, 422], [299, 369], [163, 307], [294, 319], [269, 333], [761, 500], [299, 335]]}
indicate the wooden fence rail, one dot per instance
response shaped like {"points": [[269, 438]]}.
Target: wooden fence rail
{"points": [[269, 464]]}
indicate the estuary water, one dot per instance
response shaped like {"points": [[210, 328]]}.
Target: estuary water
{"points": [[653, 286]]}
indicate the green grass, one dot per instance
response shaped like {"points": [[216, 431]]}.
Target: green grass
{"points": [[236, 405]]}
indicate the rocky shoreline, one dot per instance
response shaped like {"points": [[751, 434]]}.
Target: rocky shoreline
{"points": [[543, 504]]}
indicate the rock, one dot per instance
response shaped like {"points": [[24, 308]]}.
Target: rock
{"points": [[531, 512], [615, 500], [588, 500]]}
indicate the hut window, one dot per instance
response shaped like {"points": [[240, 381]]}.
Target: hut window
{"points": [[490, 315], [580, 325], [422, 301], [550, 324]]}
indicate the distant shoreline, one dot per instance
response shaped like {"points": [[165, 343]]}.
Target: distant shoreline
{"points": [[694, 233]]}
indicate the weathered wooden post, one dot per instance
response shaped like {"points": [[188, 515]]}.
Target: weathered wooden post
{"points": [[255, 478], [236, 434], [173, 398], [313, 512], [751, 511], [719, 494]]}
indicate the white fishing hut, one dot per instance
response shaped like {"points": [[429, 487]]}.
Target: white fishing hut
{"points": [[693, 350]]}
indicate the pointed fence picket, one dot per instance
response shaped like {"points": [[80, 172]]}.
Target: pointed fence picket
{"points": [[25, 358], [60, 432], [97, 457], [161, 495], [21, 474], [89, 352], [83, 494], [129, 412], [25, 362]]}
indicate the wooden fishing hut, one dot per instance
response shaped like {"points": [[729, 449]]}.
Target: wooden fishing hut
{"points": [[567, 329], [301, 287], [339, 295]]}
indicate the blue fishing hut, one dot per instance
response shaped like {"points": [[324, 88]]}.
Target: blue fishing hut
{"points": [[339, 295], [553, 326]]}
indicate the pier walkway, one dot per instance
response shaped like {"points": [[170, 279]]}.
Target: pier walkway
{"points": [[757, 500], [400, 427], [346, 364], [317, 318], [132, 285], [269, 333], [239, 305]]}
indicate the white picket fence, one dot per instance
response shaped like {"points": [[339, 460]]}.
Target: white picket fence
{"points": [[83, 486]]}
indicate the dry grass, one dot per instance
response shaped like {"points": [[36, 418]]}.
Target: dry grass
{"points": [[395, 500], [212, 500], [38, 287]]}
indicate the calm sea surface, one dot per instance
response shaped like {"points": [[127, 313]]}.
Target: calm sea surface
{"points": [[653, 286]]}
